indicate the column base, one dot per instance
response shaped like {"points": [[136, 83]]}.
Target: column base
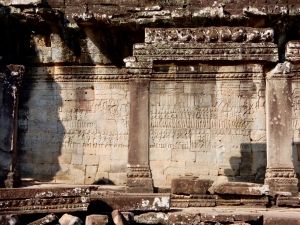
{"points": [[282, 179], [13, 180], [139, 185], [139, 179]]}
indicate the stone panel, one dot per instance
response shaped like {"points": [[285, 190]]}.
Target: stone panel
{"points": [[83, 123], [208, 124]]}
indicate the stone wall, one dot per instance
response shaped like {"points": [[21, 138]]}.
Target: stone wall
{"points": [[115, 91]]}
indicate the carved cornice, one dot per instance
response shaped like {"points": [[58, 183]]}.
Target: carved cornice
{"points": [[292, 51], [280, 173], [209, 34], [43, 200], [138, 171]]}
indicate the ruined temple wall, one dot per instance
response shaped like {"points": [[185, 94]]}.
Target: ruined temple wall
{"points": [[209, 128], [74, 132]]}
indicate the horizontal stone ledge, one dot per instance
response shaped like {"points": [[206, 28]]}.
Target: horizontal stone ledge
{"points": [[129, 201], [239, 188]]}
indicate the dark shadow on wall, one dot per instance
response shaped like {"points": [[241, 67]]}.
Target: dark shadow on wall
{"points": [[251, 166], [40, 130]]}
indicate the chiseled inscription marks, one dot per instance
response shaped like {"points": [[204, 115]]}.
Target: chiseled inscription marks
{"points": [[75, 132], [205, 128]]}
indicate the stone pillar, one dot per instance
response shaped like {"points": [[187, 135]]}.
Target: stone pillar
{"points": [[139, 178], [9, 172], [280, 174]]}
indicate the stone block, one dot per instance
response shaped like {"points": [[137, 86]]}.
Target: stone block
{"points": [[190, 186], [45, 220], [160, 154], [96, 220], [131, 201], [217, 217], [152, 218], [68, 219], [104, 163], [184, 218], [9, 219], [63, 158], [239, 188], [76, 159], [183, 155], [91, 160], [118, 178], [118, 218]]}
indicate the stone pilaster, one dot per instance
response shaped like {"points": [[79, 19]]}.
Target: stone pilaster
{"points": [[12, 77], [280, 174], [139, 177]]}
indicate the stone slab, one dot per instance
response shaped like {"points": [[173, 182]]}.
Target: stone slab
{"points": [[239, 188], [130, 201], [96, 220], [45, 220], [190, 186]]}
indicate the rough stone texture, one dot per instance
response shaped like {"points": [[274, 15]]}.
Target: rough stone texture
{"points": [[184, 201], [11, 79], [45, 220], [9, 219], [190, 83], [190, 186], [96, 220], [239, 188], [118, 218], [280, 173], [88, 142], [127, 202], [44, 200], [68, 219], [139, 174]]}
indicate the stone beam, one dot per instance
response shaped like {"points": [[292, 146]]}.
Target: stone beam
{"points": [[127, 202]]}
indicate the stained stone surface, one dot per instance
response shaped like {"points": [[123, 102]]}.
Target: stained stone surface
{"points": [[81, 126], [208, 127]]}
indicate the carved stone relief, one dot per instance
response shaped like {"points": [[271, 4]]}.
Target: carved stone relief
{"points": [[81, 127]]}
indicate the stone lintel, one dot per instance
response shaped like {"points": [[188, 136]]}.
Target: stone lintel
{"points": [[131, 201]]}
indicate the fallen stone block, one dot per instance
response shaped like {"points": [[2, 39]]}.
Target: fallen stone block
{"points": [[118, 218], [179, 218], [68, 219], [247, 217], [239, 188], [129, 216], [184, 201], [281, 221], [9, 219], [45, 220], [288, 201], [129, 202], [190, 185], [152, 218], [216, 217], [96, 220]]}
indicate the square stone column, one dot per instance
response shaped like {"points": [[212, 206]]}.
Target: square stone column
{"points": [[280, 174], [9, 172], [139, 178]]}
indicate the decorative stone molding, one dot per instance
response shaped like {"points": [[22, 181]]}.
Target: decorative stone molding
{"points": [[280, 173], [209, 35], [44, 200], [139, 171], [201, 44], [292, 51]]}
